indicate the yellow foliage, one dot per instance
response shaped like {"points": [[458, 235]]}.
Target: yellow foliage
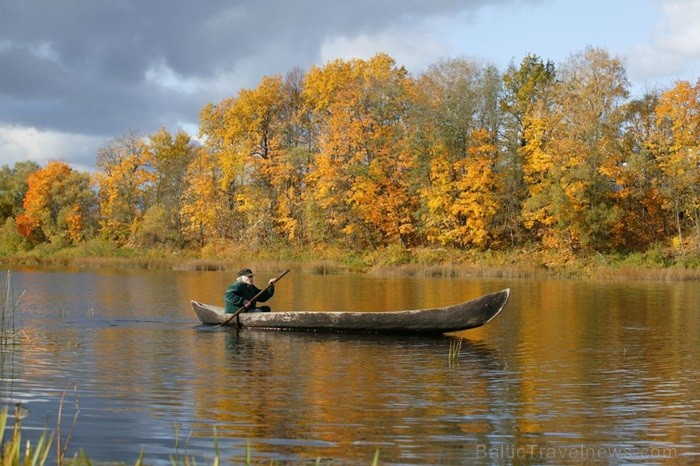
{"points": [[361, 173], [462, 197], [124, 183], [677, 144], [74, 220]]}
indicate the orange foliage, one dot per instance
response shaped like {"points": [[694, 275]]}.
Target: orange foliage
{"points": [[40, 210], [361, 153]]}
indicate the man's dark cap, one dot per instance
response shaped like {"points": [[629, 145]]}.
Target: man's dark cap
{"points": [[246, 272]]}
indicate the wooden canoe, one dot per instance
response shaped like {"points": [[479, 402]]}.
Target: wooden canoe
{"points": [[470, 314]]}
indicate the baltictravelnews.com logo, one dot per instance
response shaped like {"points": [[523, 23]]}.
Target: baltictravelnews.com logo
{"points": [[578, 452]]}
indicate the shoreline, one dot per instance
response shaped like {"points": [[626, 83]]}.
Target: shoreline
{"points": [[421, 263]]}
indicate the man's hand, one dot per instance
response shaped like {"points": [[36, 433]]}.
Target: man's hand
{"points": [[272, 282]]}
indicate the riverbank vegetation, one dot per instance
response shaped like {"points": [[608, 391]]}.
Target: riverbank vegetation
{"points": [[358, 165], [655, 264]]}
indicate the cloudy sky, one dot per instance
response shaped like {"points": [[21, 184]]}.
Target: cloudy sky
{"points": [[75, 73]]}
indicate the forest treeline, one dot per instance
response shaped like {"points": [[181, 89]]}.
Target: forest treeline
{"points": [[360, 154]]}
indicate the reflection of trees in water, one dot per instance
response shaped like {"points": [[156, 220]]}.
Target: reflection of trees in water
{"points": [[344, 395]]}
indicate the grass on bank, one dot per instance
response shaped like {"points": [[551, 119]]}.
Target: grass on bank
{"points": [[11, 453], [662, 262]]}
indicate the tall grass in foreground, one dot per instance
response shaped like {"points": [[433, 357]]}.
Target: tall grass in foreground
{"points": [[10, 449]]}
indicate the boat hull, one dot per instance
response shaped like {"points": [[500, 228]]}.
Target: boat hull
{"points": [[463, 316]]}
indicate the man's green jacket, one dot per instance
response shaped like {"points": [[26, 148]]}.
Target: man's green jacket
{"points": [[238, 293]]}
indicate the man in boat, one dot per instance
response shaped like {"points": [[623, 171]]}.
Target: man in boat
{"points": [[240, 293]]}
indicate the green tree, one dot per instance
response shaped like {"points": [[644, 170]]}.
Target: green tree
{"points": [[13, 187], [11, 241]]}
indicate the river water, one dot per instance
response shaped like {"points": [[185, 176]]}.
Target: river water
{"points": [[572, 371]]}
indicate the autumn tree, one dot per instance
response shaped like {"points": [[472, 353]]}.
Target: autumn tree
{"points": [[639, 192], [462, 196], [206, 207], [13, 187], [214, 178], [299, 140], [327, 182], [524, 87], [252, 156], [125, 181], [360, 179], [256, 140], [573, 154], [267, 141], [170, 157], [677, 150], [456, 120], [59, 205]]}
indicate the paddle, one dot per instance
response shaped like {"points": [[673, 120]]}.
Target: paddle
{"points": [[253, 299]]}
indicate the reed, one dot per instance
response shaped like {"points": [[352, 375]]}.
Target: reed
{"points": [[6, 314], [455, 350], [62, 446], [11, 448], [8, 308]]}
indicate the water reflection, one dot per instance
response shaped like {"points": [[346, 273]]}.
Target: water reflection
{"points": [[346, 394], [567, 364]]}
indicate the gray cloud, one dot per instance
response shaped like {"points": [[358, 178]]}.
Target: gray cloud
{"points": [[99, 68]]}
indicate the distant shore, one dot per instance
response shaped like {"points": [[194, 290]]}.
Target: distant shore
{"points": [[657, 265]]}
